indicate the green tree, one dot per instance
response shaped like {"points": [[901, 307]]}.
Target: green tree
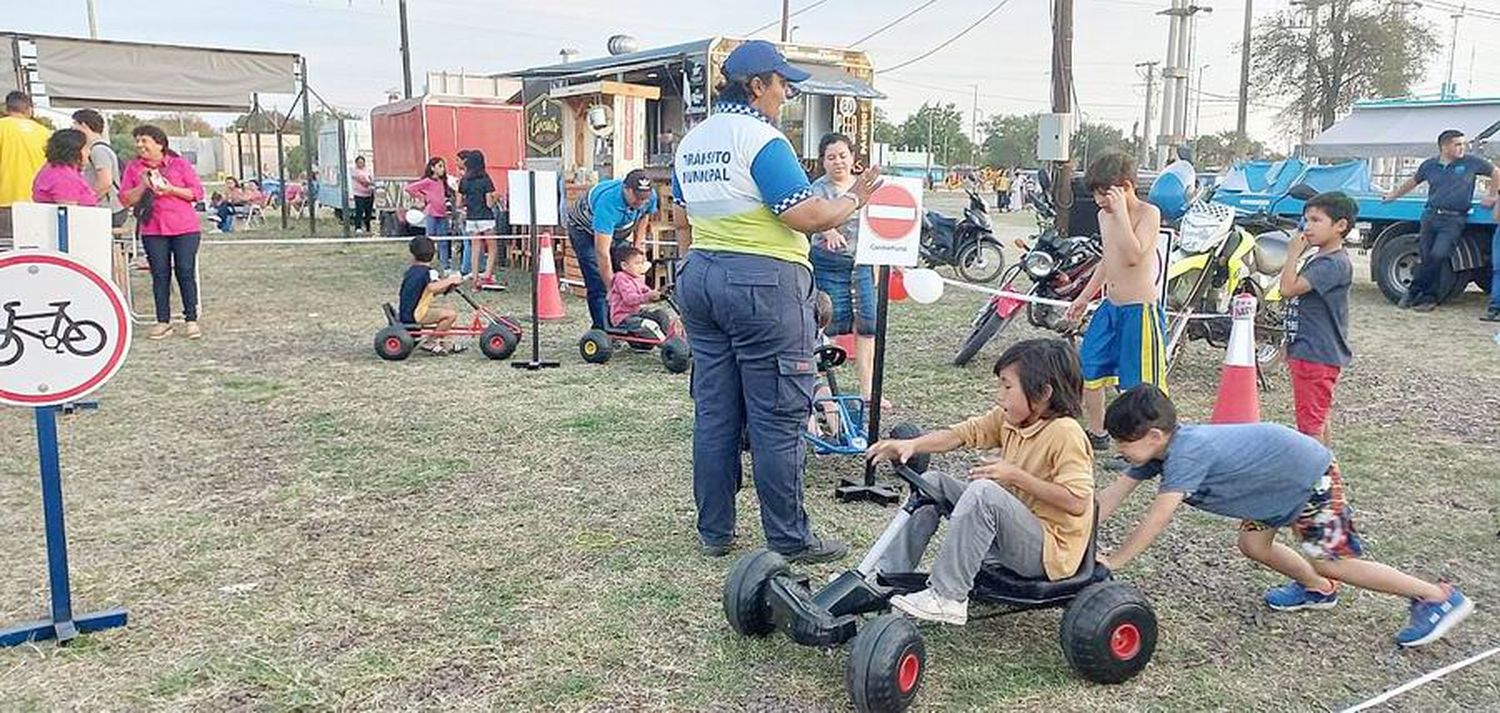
{"points": [[1224, 148], [885, 131], [1010, 140], [1091, 139], [940, 129], [1362, 49], [184, 123]]}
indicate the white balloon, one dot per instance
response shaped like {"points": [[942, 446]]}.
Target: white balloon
{"points": [[923, 285], [415, 218]]}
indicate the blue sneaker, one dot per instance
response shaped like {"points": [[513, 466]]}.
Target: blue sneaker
{"points": [[1292, 596], [1431, 620]]}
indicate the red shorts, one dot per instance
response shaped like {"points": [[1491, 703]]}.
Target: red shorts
{"points": [[1312, 394]]}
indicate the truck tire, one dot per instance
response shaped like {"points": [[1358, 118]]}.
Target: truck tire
{"points": [[1396, 264]]}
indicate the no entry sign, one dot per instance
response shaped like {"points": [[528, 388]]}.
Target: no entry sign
{"points": [[890, 227], [64, 330]]}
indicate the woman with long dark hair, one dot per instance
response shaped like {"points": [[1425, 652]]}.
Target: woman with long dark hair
{"points": [[162, 187], [437, 198], [478, 192]]}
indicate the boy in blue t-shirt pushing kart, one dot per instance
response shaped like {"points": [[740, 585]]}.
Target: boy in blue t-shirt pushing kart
{"points": [[1268, 477]]}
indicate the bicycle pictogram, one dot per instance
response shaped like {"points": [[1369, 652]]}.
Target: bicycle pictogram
{"points": [[79, 337]]}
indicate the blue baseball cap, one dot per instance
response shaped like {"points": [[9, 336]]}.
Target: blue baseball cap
{"points": [[758, 57]]}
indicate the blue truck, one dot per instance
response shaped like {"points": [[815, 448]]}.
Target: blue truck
{"points": [[1388, 133], [1387, 231]]}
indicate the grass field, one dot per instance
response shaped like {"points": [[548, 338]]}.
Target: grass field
{"points": [[294, 524]]}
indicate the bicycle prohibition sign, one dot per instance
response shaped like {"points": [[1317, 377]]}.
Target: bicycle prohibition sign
{"points": [[64, 330]]}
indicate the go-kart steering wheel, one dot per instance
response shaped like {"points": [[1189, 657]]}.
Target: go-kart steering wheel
{"points": [[920, 484], [830, 356]]}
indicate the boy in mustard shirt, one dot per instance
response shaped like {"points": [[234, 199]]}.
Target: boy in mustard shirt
{"points": [[1029, 507]]}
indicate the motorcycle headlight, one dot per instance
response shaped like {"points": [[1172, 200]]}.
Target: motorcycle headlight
{"points": [[980, 218], [1271, 251], [1038, 264]]}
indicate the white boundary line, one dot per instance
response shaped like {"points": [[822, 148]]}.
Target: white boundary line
{"points": [[1428, 678]]}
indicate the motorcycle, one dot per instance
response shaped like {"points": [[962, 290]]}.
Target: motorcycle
{"points": [[1058, 269], [1217, 254], [969, 245]]}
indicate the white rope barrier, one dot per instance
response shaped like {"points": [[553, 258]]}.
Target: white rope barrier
{"points": [[1023, 297], [1421, 680], [372, 240]]}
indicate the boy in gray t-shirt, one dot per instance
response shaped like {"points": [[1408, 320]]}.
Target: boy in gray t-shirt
{"points": [[1268, 477], [1317, 315]]}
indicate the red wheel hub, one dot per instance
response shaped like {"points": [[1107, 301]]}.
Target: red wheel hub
{"points": [[907, 672], [393, 345], [1125, 642]]}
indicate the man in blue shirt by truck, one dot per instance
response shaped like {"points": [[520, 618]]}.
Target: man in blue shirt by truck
{"points": [[1450, 195]]}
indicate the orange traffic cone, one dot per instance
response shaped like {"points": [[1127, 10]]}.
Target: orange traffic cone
{"points": [[548, 291], [897, 288], [1239, 397]]}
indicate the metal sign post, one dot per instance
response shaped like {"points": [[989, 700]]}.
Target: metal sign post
{"points": [[48, 361], [890, 233], [536, 265]]}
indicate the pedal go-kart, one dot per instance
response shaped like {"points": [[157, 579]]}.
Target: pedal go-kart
{"points": [[641, 335], [846, 416], [1108, 629], [498, 334]]}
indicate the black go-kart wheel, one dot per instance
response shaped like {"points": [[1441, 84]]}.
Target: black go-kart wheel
{"points": [[676, 355], [908, 431], [886, 665], [745, 605], [498, 342], [394, 343], [595, 346], [1109, 632]]}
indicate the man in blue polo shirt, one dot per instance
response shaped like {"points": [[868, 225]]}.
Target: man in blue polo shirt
{"points": [[1450, 194], [601, 221]]}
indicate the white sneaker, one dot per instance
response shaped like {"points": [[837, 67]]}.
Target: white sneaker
{"points": [[931, 606]]}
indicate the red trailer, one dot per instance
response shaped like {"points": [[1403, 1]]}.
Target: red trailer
{"points": [[406, 133]]}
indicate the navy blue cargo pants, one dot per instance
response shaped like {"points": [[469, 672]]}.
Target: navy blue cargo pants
{"points": [[749, 321]]}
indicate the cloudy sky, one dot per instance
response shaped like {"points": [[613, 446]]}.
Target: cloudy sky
{"points": [[352, 45]]}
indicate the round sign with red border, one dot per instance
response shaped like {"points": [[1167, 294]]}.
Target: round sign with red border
{"points": [[64, 330], [892, 212]]}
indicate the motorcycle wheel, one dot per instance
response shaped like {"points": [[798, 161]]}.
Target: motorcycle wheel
{"points": [[981, 261], [988, 327]]}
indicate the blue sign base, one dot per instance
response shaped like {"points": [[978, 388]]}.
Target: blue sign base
{"points": [[62, 631], [63, 625]]}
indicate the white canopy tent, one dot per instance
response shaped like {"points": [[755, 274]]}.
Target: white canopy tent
{"points": [[106, 74], [1407, 128], [114, 75]]}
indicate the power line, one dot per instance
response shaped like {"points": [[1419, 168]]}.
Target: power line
{"points": [[777, 21], [950, 40], [893, 23]]}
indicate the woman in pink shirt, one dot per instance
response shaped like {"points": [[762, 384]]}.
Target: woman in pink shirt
{"points": [[61, 180], [437, 197], [162, 186]]}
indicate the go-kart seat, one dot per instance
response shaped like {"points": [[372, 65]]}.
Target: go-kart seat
{"points": [[995, 582], [393, 320]]}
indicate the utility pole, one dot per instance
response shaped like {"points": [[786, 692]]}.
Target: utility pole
{"points": [[1062, 103], [1240, 117], [973, 156], [1170, 73], [927, 176], [786, 20], [405, 51], [1450, 90], [94, 21], [1144, 155]]}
